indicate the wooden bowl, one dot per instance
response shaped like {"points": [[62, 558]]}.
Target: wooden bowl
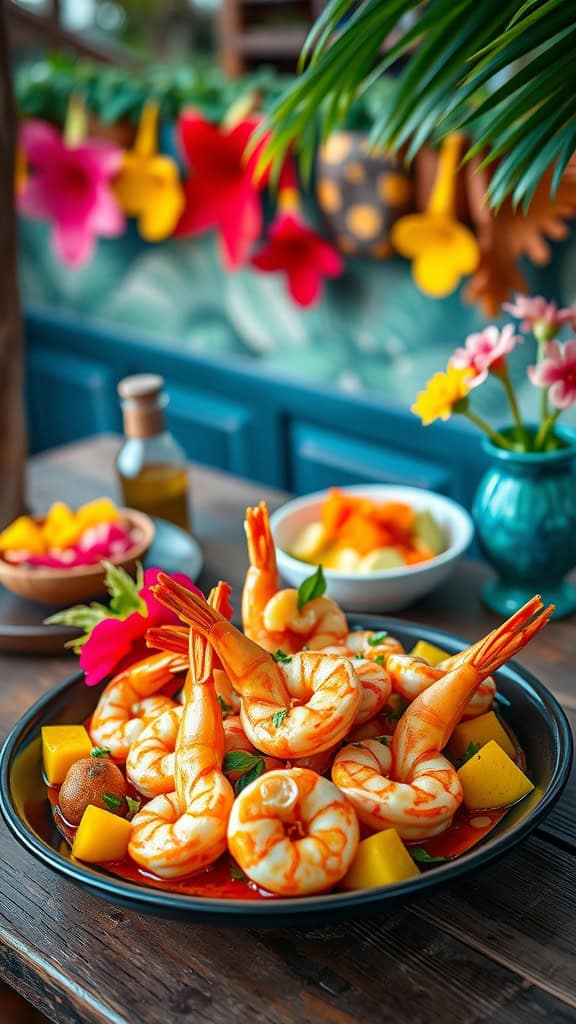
{"points": [[64, 587]]}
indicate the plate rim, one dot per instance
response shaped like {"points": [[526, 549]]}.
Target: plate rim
{"points": [[163, 901]]}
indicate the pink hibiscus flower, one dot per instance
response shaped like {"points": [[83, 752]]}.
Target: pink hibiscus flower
{"points": [[557, 372], [544, 318], [222, 192], [298, 252], [70, 186], [484, 352], [116, 643]]}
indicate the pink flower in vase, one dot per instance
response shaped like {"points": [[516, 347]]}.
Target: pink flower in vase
{"points": [[543, 318], [70, 186], [557, 372], [484, 352]]}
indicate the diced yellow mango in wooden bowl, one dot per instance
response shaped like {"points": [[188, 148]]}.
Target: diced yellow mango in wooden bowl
{"points": [[491, 779], [479, 731], [101, 836], [382, 859], [62, 745]]}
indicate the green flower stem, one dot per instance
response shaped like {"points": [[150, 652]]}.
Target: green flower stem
{"points": [[544, 393], [545, 428], [508, 387], [495, 436]]}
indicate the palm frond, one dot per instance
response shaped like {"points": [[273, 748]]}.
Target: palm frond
{"points": [[487, 68]]}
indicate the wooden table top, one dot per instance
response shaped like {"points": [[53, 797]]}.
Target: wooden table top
{"points": [[500, 947]]}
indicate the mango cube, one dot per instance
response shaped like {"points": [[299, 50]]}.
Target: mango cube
{"points": [[480, 731], [61, 528], [102, 510], [382, 859], [24, 534], [101, 836], [491, 779], [432, 654], [62, 745]]}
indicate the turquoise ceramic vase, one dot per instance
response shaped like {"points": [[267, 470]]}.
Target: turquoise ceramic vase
{"points": [[525, 516]]}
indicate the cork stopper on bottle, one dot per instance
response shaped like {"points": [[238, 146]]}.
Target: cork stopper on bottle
{"points": [[143, 402]]}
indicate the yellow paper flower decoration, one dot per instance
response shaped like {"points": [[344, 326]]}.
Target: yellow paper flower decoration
{"points": [[148, 184], [442, 249], [443, 391]]}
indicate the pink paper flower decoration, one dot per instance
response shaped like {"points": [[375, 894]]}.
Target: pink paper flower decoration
{"points": [[222, 192], [483, 352], [298, 252], [557, 372], [116, 643], [70, 186], [544, 318]]}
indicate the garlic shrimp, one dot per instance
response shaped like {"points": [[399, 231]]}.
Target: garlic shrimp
{"points": [[411, 676], [295, 708], [271, 616], [406, 783], [293, 832], [131, 700], [179, 833]]}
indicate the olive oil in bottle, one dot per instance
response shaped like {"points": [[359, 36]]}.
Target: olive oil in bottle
{"points": [[151, 465]]}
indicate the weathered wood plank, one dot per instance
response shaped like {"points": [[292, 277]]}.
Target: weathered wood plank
{"points": [[82, 961], [560, 825]]}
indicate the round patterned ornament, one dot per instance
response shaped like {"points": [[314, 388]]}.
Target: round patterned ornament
{"points": [[361, 194]]}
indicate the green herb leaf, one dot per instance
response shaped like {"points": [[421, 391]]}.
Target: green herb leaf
{"points": [[377, 638], [396, 707], [279, 717], [80, 616], [359, 657], [281, 656], [111, 801], [123, 590], [379, 659], [471, 749], [241, 761], [312, 587], [421, 856], [384, 740], [249, 777], [100, 752], [236, 873], [226, 708], [133, 807]]}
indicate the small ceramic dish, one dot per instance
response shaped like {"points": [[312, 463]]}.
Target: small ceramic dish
{"points": [[389, 589], [526, 705], [62, 587]]}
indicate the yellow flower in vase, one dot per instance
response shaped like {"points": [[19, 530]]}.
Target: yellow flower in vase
{"points": [[442, 249], [443, 392], [148, 184]]}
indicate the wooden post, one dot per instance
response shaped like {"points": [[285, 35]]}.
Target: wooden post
{"points": [[12, 424]]}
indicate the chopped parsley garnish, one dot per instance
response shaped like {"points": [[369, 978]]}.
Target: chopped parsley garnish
{"points": [[281, 656], [133, 807], [312, 587], [396, 708], [279, 717], [421, 856], [226, 708], [100, 752], [111, 801], [359, 657], [236, 873], [251, 766], [471, 749], [377, 638], [379, 659], [384, 740]]}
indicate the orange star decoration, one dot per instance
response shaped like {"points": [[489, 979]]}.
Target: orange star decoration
{"points": [[442, 249], [148, 184], [444, 392]]}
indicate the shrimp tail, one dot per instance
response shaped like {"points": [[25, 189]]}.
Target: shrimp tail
{"points": [[431, 718], [168, 638], [261, 551]]}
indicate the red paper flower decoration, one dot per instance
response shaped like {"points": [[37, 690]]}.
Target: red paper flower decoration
{"points": [[297, 251], [222, 192]]}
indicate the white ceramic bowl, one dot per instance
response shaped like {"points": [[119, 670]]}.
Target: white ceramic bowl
{"points": [[390, 589]]}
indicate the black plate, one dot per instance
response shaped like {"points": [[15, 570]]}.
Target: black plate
{"points": [[525, 703]]}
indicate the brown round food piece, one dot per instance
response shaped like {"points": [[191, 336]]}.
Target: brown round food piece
{"points": [[92, 780]]}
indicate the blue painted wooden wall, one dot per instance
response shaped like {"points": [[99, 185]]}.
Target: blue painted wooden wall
{"points": [[237, 415]]}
